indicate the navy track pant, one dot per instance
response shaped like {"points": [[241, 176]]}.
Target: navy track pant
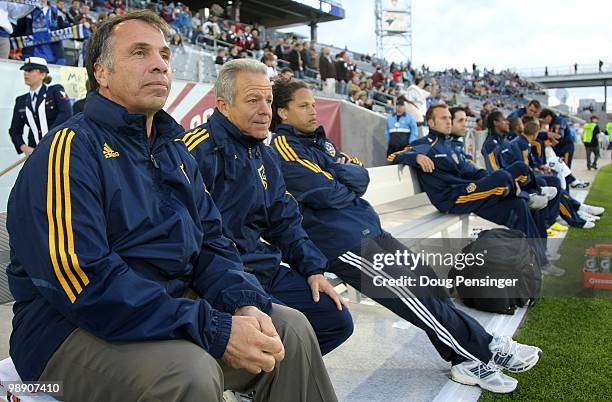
{"points": [[456, 336], [505, 209], [331, 326]]}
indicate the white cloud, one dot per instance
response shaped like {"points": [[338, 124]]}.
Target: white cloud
{"points": [[499, 34]]}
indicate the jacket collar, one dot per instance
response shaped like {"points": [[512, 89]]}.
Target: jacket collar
{"points": [[436, 135], [222, 130], [107, 113], [315, 136], [497, 136]]}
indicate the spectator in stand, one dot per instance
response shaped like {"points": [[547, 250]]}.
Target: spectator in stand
{"points": [[177, 40], [467, 110], [354, 85], [286, 74], [314, 56], [230, 36], [240, 38], [10, 12], [254, 44], [234, 53], [487, 108], [86, 12], [327, 70], [270, 62], [196, 25], [354, 97], [40, 23], [211, 27], [342, 73], [377, 76], [307, 60], [395, 73], [73, 12], [418, 95], [221, 58], [407, 76], [283, 49], [296, 63]]}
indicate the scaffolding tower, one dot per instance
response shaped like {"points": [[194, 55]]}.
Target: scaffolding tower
{"points": [[393, 29]]}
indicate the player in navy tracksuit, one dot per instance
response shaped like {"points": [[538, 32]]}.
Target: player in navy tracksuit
{"points": [[532, 109], [457, 187], [564, 147], [521, 149], [243, 176], [498, 153], [328, 185]]}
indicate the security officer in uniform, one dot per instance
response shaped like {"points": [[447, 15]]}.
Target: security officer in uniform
{"points": [[609, 131], [401, 128], [591, 142], [42, 108]]}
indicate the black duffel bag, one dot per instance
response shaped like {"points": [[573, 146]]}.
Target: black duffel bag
{"points": [[507, 255]]}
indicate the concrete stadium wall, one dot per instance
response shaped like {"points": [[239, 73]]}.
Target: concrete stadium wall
{"points": [[363, 134]]}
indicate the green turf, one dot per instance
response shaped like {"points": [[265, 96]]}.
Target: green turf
{"points": [[575, 332]]}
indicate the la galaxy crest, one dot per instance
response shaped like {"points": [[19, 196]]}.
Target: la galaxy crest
{"points": [[470, 188], [330, 149], [262, 176]]}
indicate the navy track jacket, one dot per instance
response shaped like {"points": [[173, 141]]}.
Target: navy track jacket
{"points": [[336, 218], [108, 230], [452, 173], [244, 178]]}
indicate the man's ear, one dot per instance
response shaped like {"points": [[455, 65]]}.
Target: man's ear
{"points": [[223, 106], [282, 113], [101, 73]]}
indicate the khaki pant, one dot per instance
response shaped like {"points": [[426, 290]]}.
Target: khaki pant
{"points": [[177, 370]]}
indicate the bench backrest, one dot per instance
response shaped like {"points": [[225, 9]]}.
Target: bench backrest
{"points": [[391, 183]]}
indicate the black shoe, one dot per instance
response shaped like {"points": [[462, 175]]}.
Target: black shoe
{"points": [[594, 167]]}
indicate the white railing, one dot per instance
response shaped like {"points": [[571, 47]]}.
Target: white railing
{"points": [[570, 69]]}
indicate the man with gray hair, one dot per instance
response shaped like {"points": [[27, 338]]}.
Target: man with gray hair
{"points": [[243, 177], [125, 287]]}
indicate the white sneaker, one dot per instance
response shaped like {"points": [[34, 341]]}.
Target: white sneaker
{"points": [[513, 356], [591, 209], [486, 376], [579, 184], [549, 192], [588, 225], [588, 217], [537, 202]]}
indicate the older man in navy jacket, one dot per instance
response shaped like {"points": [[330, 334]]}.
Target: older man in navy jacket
{"points": [[125, 287], [243, 176]]}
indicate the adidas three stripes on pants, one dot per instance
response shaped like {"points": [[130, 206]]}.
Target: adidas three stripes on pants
{"points": [[456, 336]]}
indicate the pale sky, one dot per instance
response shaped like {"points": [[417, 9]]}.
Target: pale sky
{"points": [[500, 34]]}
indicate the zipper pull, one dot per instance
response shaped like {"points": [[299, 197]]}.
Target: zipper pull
{"points": [[154, 162]]}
